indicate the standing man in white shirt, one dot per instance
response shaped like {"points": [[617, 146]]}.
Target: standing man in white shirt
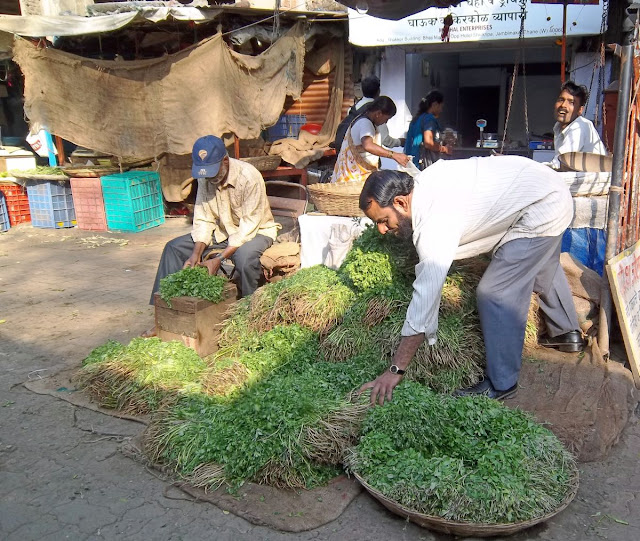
{"points": [[572, 132], [510, 205]]}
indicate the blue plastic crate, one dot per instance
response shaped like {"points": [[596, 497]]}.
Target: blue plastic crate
{"points": [[279, 130], [287, 126], [294, 123], [50, 204], [4, 214], [133, 200]]}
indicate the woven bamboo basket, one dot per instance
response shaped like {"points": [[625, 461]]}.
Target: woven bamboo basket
{"points": [[88, 171], [263, 163], [36, 176], [468, 529], [337, 199]]}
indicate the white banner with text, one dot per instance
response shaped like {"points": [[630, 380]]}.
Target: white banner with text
{"points": [[475, 20]]}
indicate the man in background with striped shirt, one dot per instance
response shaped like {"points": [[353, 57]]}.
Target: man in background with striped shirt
{"points": [[511, 206]]}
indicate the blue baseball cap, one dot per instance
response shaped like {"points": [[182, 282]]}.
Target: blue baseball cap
{"points": [[208, 153]]}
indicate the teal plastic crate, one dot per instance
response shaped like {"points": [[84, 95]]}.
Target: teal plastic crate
{"points": [[132, 200], [50, 204], [5, 225]]}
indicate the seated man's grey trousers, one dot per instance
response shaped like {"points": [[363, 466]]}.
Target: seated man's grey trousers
{"points": [[517, 269], [246, 260]]}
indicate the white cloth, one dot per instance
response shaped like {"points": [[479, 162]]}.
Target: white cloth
{"points": [[385, 138], [587, 184], [315, 234], [463, 208], [579, 136]]}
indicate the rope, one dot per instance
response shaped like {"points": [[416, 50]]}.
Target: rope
{"points": [[520, 53]]}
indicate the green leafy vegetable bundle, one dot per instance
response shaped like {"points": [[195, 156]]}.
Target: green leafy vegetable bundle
{"points": [[137, 378], [378, 261], [374, 323], [192, 282], [287, 430], [314, 297], [465, 459]]}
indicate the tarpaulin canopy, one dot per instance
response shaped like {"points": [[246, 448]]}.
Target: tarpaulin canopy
{"points": [[388, 9], [37, 26], [142, 108]]}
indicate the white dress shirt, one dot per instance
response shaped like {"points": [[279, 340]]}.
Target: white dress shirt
{"points": [[578, 136], [463, 208]]}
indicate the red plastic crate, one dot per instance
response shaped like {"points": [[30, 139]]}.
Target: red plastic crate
{"points": [[89, 203], [17, 203]]}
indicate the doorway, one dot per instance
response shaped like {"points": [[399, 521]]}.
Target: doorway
{"points": [[474, 103]]}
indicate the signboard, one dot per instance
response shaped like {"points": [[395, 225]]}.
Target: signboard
{"points": [[624, 277], [475, 20], [568, 2]]}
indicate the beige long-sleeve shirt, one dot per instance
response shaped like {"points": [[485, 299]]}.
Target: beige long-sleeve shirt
{"points": [[237, 211], [463, 208]]}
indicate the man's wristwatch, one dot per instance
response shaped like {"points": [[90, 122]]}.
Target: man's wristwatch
{"points": [[395, 370], [391, 154]]}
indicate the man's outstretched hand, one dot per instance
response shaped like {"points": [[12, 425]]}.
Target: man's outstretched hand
{"points": [[381, 387]]}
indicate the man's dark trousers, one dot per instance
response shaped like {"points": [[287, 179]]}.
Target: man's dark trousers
{"points": [[517, 269], [246, 260]]}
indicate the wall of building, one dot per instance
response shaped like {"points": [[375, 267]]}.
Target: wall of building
{"points": [[392, 84], [426, 72]]}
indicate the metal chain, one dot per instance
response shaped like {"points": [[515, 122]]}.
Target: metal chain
{"points": [[523, 16]]}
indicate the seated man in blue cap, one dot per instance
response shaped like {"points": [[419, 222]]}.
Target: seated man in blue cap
{"points": [[231, 215]]}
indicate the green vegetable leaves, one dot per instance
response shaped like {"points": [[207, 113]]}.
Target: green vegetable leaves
{"points": [[465, 459], [192, 282]]}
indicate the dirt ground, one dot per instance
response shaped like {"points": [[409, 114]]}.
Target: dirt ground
{"points": [[62, 476]]}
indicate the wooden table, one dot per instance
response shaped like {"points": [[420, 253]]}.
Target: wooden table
{"points": [[284, 171]]}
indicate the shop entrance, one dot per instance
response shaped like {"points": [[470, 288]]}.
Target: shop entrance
{"points": [[474, 103]]}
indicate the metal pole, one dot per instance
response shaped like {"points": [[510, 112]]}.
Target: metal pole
{"points": [[615, 192], [564, 42]]}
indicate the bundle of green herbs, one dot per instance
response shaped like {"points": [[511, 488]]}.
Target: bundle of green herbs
{"points": [[314, 297], [270, 431], [137, 378], [375, 320], [466, 460], [378, 261], [192, 282]]}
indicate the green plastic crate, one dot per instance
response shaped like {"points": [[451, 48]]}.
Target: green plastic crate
{"points": [[132, 200]]}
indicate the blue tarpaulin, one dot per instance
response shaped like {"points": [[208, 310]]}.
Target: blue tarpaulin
{"points": [[587, 245]]}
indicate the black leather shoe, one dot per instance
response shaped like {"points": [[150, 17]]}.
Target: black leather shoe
{"points": [[485, 388], [569, 342]]}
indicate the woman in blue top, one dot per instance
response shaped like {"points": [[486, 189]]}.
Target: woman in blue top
{"points": [[423, 137]]}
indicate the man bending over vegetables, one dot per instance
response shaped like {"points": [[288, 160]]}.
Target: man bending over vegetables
{"points": [[231, 215], [456, 209]]}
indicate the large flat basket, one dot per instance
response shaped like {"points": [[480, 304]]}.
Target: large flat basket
{"points": [[468, 529], [264, 163], [337, 199]]}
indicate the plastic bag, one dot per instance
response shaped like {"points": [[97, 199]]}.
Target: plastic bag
{"points": [[341, 238]]}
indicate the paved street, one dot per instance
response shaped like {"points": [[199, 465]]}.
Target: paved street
{"points": [[62, 475]]}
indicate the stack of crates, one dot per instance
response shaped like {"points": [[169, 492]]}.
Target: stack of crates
{"points": [[4, 214], [51, 204], [89, 204], [17, 203], [133, 200]]}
